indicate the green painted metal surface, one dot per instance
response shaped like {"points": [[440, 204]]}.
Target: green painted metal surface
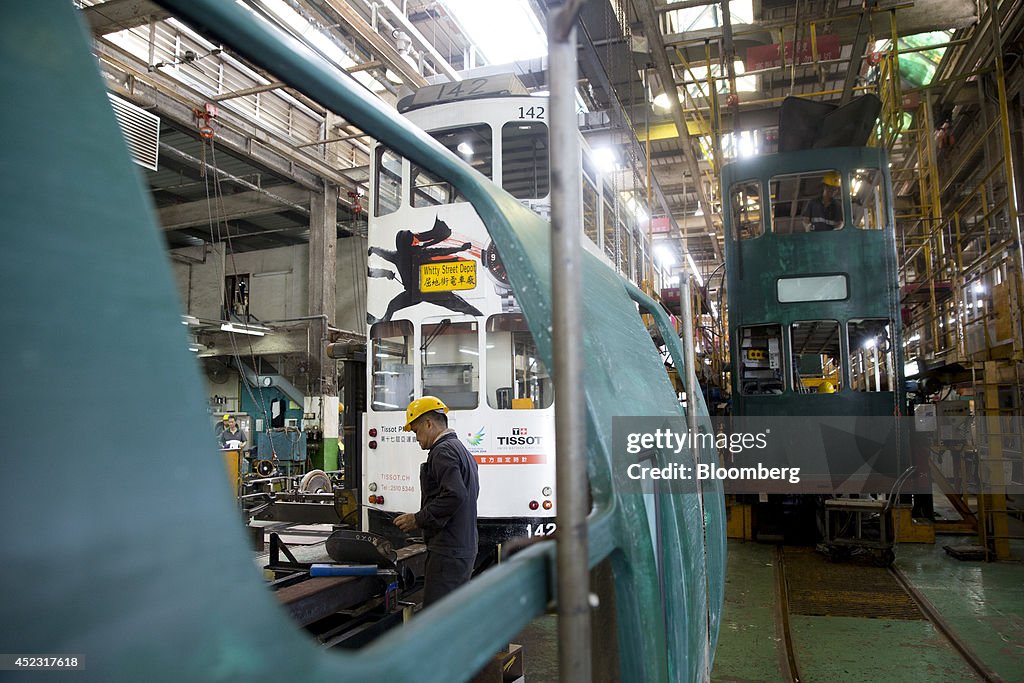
{"points": [[132, 553]]}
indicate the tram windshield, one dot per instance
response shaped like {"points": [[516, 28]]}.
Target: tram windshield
{"points": [[450, 361], [524, 159], [392, 365], [807, 202], [868, 200], [516, 376], [816, 359]]}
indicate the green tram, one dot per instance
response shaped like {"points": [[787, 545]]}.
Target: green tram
{"points": [[812, 286]]}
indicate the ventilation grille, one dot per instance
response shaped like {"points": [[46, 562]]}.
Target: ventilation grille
{"points": [[141, 131]]}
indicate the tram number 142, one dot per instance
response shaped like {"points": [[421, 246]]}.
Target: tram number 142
{"points": [[531, 112], [538, 530]]}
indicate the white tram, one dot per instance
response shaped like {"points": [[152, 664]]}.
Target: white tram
{"points": [[442, 317]]}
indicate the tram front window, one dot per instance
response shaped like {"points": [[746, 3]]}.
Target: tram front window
{"points": [[388, 186], [472, 144], [760, 366], [871, 361], [524, 159], [516, 376], [816, 361], [391, 344], [745, 202], [427, 190], [868, 200], [807, 202], [450, 361]]}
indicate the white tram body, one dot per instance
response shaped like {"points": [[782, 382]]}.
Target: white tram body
{"points": [[443, 320]]}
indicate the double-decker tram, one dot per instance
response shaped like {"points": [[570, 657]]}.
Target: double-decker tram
{"points": [[814, 321], [442, 318]]}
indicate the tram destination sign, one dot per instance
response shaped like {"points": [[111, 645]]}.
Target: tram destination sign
{"points": [[447, 276]]}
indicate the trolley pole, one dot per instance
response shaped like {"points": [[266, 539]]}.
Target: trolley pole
{"points": [[573, 581]]}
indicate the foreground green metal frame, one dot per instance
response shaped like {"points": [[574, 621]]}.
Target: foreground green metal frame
{"points": [[125, 546]]}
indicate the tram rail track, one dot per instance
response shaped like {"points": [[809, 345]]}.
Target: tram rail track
{"points": [[789, 659]]}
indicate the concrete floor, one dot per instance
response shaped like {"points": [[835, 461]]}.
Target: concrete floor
{"points": [[982, 603]]}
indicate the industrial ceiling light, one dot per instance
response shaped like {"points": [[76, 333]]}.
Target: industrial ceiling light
{"points": [[244, 329]]}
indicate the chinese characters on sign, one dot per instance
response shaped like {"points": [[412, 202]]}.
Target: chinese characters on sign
{"points": [[447, 276], [538, 459]]}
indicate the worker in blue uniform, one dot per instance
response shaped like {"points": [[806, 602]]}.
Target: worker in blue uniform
{"points": [[825, 212], [449, 486]]}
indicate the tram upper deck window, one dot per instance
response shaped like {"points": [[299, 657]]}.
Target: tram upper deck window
{"points": [[472, 144], [524, 159], [872, 367], [388, 196], [760, 366], [807, 202], [516, 376], [609, 231], [426, 190], [450, 361], [816, 360], [590, 211], [868, 200], [391, 344], [745, 202]]}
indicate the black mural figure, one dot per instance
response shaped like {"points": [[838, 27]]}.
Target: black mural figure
{"points": [[407, 258]]}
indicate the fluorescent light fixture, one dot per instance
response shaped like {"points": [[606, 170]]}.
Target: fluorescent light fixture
{"points": [[694, 270], [190, 320], [385, 405], [604, 159], [911, 369], [465, 149], [243, 329], [915, 338], [979, 287], [470, 352]]}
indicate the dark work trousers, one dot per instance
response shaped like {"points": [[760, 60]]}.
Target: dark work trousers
{"points": [[444, 574]]}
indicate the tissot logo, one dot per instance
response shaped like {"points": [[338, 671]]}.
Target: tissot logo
{"points": [[519, 437]]}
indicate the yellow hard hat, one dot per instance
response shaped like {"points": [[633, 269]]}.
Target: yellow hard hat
{"points": [[831, 178], [420, 406], [226, 416], [826, 388]]}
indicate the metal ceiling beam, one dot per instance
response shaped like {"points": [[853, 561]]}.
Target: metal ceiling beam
{"points": [[384, 50], [117, 15], [649, 19], [234, 206], [174, 102], [860, 42]]}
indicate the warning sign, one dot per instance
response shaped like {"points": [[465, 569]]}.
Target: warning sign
{"points": [[447, 276]]}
